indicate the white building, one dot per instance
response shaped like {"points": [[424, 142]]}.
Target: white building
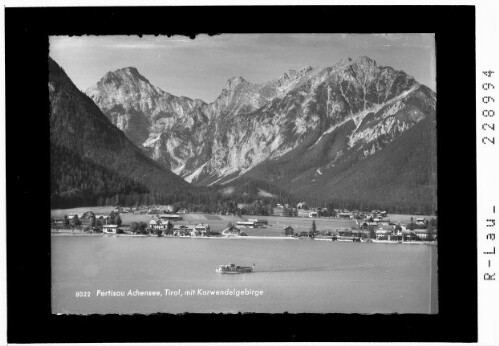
{"points": [[421, 221], [245, 224], [158, 224], [201, 229], [174, 217], [110, 229], [231, 231], [345, 215], [382, 234]]}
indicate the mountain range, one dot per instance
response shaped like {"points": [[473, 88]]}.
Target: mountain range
{"points": [[92, 159], [354, 132]]}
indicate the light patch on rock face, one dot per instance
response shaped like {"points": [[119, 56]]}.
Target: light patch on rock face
{"points": [[388, 129], [387, 125], [179, 169], [373, 149], [121, 121], [276, 143], [281, 151], [397, 106], [301, 126], [215, 181], [241, 153], [225, 182], [329, 130], [263, 193], [357, 118], [153, 138], [194, 174], [227, 191]]}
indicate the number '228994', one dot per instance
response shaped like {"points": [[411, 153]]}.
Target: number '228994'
{"points": [[488, 113]]}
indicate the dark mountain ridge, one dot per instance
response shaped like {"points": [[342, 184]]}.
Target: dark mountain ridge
{"points": [[78, 126], [77, 181]]}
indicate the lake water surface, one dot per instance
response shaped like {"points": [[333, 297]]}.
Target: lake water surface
{"points": [[290, 275]]}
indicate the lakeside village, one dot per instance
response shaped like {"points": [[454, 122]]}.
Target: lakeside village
{"points": [[373, 226]]}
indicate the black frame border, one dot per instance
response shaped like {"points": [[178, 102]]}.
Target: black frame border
{"points": [[28, 174]]}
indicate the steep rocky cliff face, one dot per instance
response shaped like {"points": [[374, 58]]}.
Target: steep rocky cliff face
{"points": [[78, 127], [169, 128], [291, 129]]}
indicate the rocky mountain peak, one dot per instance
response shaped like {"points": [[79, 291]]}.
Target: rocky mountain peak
{"points": [[129, 71], [365, 60], [306, 69], [200, 102], [290, 77], [126, 74], [234, 82], [123, 83]]}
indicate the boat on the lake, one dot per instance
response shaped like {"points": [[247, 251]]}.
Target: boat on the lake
{"points": [[233, 269], [348, 239]]}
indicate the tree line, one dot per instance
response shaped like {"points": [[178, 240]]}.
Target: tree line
{"points": [[80, 182], [77, 182]]}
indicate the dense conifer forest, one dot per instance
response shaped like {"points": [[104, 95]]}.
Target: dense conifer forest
{"points": [[80, 182]]}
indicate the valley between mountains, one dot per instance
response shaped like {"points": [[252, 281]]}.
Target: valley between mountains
{"points": [[355, 134]]}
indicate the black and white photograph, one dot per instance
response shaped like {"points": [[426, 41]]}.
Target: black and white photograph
{"points": [[229, 173], [249, 174]]}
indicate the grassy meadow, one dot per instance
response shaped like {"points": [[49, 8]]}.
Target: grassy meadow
{"points": [[218, 223]]}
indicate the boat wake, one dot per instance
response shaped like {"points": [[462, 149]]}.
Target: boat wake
{"points": [[317, 269], [287, 270]]}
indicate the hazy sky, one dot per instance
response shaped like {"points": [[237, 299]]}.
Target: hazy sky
{"points": [[199, 68]]}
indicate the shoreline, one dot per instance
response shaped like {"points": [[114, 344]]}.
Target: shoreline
{"points": [[84, 234]]}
